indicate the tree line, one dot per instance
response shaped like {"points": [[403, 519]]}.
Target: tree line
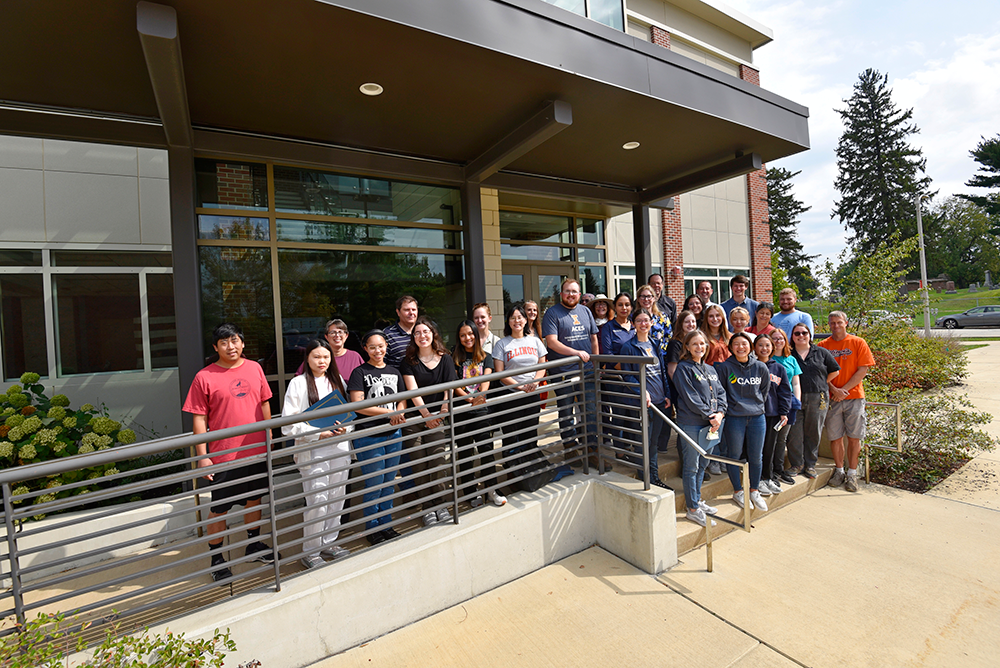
{"points": [[880, 174]]}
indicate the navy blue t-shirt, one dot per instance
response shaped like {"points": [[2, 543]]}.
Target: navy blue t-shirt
{"points": [[572, 327]]}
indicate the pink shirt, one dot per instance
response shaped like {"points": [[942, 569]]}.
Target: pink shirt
{"points": [[230, 398]]}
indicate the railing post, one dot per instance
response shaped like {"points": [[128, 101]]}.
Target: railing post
{"points": [[745, 474], [644, 427], [598, 414], [273, 509], [581, 439], [454, 455], [12, 558]]}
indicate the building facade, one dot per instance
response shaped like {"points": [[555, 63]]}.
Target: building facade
{"points": [[482, 152]]}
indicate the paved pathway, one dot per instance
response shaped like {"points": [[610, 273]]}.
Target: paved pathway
{"points": [[878, 578]]}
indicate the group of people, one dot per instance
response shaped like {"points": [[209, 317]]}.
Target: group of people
{"points": [[756, 390]]}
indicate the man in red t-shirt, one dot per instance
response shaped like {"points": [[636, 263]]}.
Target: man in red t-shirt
{"points": [[846, 416], [230, 393]]}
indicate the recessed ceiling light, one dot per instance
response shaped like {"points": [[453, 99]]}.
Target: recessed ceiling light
{"points": [[371, 89], [629, 145]]}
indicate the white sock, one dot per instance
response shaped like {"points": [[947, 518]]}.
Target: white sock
{"points": [[840, 469], [852, 471]]}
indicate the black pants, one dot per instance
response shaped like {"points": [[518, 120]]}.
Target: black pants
{"points": [[465, 423], [767, 470]]}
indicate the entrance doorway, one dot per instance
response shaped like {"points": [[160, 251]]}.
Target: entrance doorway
{"points": [[532, 282]]}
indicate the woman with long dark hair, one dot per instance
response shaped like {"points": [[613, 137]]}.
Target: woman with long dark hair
{"points": [[474, 364], [326, 467], [425, 363]]}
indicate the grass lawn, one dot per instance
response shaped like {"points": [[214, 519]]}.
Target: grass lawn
{"points": [[945, 304]]}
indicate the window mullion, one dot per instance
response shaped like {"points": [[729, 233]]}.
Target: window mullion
{"points": [[147, 360]]}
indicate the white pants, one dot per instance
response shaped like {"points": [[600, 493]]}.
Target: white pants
{"points": [[324, 493]]}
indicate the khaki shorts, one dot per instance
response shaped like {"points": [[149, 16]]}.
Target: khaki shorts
{"points": [[846, 418]]}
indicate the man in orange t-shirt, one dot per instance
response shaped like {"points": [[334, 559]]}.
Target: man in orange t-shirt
{"points": [[846, 416]]}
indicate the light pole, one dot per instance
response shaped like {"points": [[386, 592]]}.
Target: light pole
{"points": [[923, 269]]}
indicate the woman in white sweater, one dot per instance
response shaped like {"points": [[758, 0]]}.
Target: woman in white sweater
{"points": [[324, 468]]}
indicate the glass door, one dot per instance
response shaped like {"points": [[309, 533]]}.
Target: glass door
{"points": [[537, 283]]}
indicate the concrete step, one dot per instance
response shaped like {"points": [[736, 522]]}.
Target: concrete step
{"points": [[719, 492]]}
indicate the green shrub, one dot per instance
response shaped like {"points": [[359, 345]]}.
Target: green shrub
{"points": [[37, 428], [904, 359], [42, 643]]}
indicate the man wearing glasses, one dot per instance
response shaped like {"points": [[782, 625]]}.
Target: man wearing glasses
{"points": [[571, 333]]}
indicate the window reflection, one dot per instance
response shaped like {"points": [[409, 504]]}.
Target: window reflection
{"points": [[230, 185], [162, 321], [23, 325], [518, 226], [239, 228], [99, 325], [357, 234]]}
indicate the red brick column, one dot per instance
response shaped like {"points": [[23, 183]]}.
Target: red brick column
{"points": [[760, 229], [673, 252], [660, 36]]}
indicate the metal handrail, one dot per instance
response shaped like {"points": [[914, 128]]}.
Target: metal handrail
{"points": [[899, 436], [52, 553]]}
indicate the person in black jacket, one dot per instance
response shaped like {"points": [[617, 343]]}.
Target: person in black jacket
{"points": [[747, 383], [776, 408], [701, 407]]}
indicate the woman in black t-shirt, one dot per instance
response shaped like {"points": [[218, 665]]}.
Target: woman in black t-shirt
{"points": [[428, 363]]}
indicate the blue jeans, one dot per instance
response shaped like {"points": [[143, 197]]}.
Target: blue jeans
{"points": [[588, 428], [736, 432], [388, 465], [694, 465]]}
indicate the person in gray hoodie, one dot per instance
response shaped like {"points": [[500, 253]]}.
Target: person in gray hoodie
{"points": [[747, 384], [701, 407]]}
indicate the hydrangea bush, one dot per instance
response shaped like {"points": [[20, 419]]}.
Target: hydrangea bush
{"points": [[36, 428]]}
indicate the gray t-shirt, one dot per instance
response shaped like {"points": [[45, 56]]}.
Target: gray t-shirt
{"points": [[519, 354], [572, 327]]}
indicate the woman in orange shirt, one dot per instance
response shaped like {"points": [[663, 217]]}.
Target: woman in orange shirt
{"points": [[713, 324]]}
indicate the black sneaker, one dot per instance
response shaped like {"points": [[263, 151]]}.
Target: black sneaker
{"points": [[656, 482], [376, 538], [389, 534], [221, 574], [260, 552], [786, 478]]}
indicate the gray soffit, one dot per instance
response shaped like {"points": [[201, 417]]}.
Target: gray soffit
{"points": [[460, 77]]}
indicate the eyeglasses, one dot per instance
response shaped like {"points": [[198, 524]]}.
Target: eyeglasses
{"points": [[800, 333], [335, 333]]}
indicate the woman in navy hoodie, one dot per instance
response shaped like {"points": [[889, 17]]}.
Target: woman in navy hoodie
{"points": [[701, 404], [747, 383], [776, 409]]}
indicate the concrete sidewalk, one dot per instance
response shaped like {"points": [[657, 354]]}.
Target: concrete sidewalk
{"points": [[879, 578]]}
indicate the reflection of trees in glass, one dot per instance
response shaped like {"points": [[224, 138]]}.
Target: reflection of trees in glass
{"points": [[594, 281], [362, 287], [236, 287], [242, 229]]}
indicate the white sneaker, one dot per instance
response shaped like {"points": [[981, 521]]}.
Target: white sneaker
{"points": [[698, 517], [708, 510], [312, 561], [443, 515], [476, 501], [430, 518], [775, 487], [738, 499], [763, 488], [497, 499], [757, 501]]}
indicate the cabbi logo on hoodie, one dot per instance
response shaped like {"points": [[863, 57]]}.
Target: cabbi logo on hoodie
{"points": [[733, 380]]}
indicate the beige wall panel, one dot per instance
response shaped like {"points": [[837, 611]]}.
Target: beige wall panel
{"points": [[722, 216], [153, 163], [722, 246], [736, 189], [22, 205], [21, 152], [705, 250], [69, 156], [703, 31], [687, 245], [154, 211], [739, 250], [736, 215], [91, 208], [702, 212]]}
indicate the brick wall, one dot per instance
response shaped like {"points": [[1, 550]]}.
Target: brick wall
{"points": [[234, 184], [760, 229], [673, 253], [660, 36]]}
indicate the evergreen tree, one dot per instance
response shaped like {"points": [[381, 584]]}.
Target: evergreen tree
{"points": [[878, 168], [987, 154]]}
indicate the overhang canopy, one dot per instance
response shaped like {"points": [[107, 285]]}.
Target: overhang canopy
{"points": [[458, 76]]}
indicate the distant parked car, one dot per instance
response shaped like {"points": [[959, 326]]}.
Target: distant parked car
{"points": [[981, 316], [880, 315]]}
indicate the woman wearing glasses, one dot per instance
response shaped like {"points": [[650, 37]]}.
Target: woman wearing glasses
{"points": [[818, 368]]}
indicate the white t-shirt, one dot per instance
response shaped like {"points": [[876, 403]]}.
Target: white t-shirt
{"points": [[519, 354]]}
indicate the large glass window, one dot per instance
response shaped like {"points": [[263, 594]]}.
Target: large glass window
{"points": [[347, 196], [236, 287], [162, 322], [609, 12], [236, 228], [22, 317], [356, 234], [222, 184], [535, 227], [99, 325]]}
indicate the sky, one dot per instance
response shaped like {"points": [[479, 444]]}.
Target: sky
{"points": [[943, 61]]}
